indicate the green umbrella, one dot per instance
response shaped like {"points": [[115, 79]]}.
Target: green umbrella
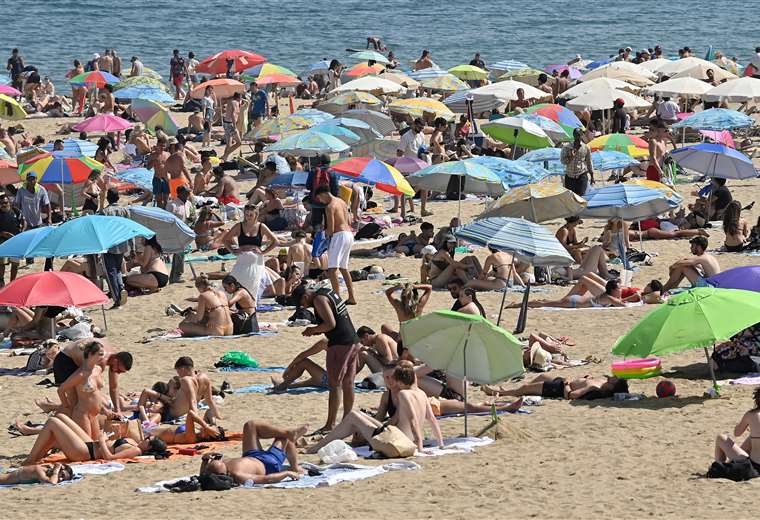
{"points": [[696, 318], [518, 132], [464, 345]]}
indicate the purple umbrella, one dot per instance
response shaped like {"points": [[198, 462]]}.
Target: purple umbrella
{"points": [[746, 278], [409, 164], [574, 73]]}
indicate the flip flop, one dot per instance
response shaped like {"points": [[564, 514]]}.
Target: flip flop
{"points": [[566, 340], [321, 431]]}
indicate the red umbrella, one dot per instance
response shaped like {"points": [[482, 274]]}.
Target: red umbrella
{"points": [[52, 288], [217, 64]]}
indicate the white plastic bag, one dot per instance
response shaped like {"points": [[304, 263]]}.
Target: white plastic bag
{"points": [[337, 451]]}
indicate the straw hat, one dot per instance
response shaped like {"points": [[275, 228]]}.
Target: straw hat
{"points": [[539, 358]]}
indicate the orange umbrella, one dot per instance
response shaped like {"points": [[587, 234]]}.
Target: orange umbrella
{"points": [[8, 173], [363, 69], [278, 79], [217, 64], [223, 88]]}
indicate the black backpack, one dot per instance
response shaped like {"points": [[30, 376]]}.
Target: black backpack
{"points": [[369, 231], [214, 482], [737, 471]]}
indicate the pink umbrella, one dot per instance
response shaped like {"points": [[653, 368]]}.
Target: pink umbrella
{"points": [[722, 137], [409, 164], [9, 91], [574, 73], [103, 123]]}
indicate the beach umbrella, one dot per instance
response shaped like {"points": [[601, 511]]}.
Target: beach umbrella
{"points": [[458, 102], [364, 130], [103, 123], [491, 96], [290, 180], [627, 202], [9, 91], [742, 90], [623, 71], [430, 72], [154, 114], [746, 277], [715, 160], [526, 75], [8, 173], [684, 86], [696, 318], [75, 147], [382, 123], [282, 80], [223, 88], [171, 232], [89, 235], [11, 109], [654, 64], [318, 116], [629, 144], [21, 245], [371, 84], [610, 160], [406, 164], [218, 63], [602, 99], [308, 144], [673, 67], [140, 82], [146, 93], [507, 66], [140, 177], [400, 78], [52, 288], [342, 102], [375, 173], [369, 55], [95, 78], [716, 119], [150, 73], [316, 68], [700, 72], [517, 132], [667, 190], [344, 134], [560, 68], [364, 69], [549, 158], [3, 153], [552, 129], [537, 203], [557, 113], [417, 107], [280, 125], [449, 83], [465, 346], [591, 85], [59, 168], [514, 173], [266, 69], [468, 72]]}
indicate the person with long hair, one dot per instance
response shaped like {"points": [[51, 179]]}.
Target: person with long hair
{"points": [[212, 315], [153, 274], [81, 394], [249, 234], [735, 227], [244, 318], [208, 234], [468, 298], [92, 193], [727, 449]]}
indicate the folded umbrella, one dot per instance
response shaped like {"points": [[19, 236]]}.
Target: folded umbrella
{"points": [[173, 234]]}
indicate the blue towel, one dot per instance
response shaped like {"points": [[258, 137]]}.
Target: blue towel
{"points": [[21, 371], [265, 389], [251, 369], [270, 308]]}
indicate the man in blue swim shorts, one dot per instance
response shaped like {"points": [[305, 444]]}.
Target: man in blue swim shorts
{"points": [[696, 268], [258, 465]]}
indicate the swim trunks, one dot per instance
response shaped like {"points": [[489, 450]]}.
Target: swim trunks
{"points": [[340, 250], [160, 186], [272, 458], [701, 282], [554, 389], [63, 368]]}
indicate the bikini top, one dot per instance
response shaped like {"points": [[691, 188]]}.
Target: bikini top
{"points": [[246, 240]]}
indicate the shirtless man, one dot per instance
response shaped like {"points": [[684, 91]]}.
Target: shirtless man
{"points": [[176, 168], [341, 237], [299, 253], [561, 84], [258, 465], [70, 358], [225, 189], [195, 121], [107, 100], [194, 386], [105, 62], [694, 268], [425, 62], [139, 138], [657, 138], [157, 161], [230, 124], [379, 349], [550, 387]]}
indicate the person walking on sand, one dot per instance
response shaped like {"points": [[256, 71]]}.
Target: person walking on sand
{"points": [[576, 157], [178, 69], [230, 124], [338, 232]]}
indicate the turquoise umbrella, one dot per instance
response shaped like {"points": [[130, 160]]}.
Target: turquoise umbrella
{"points": [[369, 56], [465, 346], [21, 245], [309, 144], [89, 235], [344, 134]]}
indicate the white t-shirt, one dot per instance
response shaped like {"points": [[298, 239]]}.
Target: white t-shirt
{"points": [[411, 143], [667, 110]]}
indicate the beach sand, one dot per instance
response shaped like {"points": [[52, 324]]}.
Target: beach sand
{"points": [[565, 460]]}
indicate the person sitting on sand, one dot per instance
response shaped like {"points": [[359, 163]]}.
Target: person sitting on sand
{"points": [[569, 240], [469, 304], [38, 474], [194, 387], [594, 261], [209, 230], [378, 350], [303, 364], [735, 227], [63, 433], [550, 387], [153, 274], [35, 323], [212, 315], [439, 267], [498, 272], [409, 305], [727, 449], [585, 295], [299, 252], [256, 464], [412, 244], [244, 319], [412, 411], [695, 268]]}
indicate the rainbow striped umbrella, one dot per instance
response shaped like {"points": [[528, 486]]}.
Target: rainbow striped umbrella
{"points": [[154, 114], [269, 73], [416, 107], [95, 78], [59, 168], [630, 144], [564, 117], [376, 173], [468, 72]]}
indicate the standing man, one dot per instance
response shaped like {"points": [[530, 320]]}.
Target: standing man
{"points": [[16, 67], [184, 210], [11, 224], [321, 176], [561, 85], [157, 161], [32, 199], [342, 346], [116, 67], [177, 70], [105, 62], [114, 258], [576, 157], [232, 138], [657, 138], [259, 105], [176, 167], [341, 237], [409, 145], [478, 62]]}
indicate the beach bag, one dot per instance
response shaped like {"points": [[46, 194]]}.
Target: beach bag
{"points": [[215, 482], [36, 360], [131, 429], [369, 231], [392, 443], [737, 471], [236, 358], [243, 323]]}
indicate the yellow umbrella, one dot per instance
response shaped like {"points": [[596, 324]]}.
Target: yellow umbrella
{"points": [[11, 109], [449, 83], [537, 203], [469, 72], [415, 107], [667, 190]]}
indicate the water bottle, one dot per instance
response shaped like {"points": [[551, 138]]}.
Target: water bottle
{"points": [[336, 452]]}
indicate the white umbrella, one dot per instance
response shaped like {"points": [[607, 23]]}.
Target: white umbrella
{"points": [[493, 96], [377, 120], [624, 71], [653, 65], [373, 84], [674, 67], [597, 84], [602, 99], [400, 78], [700, 72], [738, 91], [684, 86]]}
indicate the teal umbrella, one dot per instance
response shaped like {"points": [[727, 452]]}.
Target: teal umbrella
{"points": [[465, 346], [693, 319], [308, 144], [88, 235]]}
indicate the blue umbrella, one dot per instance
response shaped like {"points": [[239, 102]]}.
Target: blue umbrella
{"points": [[318, 67], [173, 234], [361, 128], [598, 63], [318, 116], [89, 235], [308, 144], [5, 80], [344, 134], [75, 148], [546, 157], [716, 119], [715, 160], [507, 65], [140, 177], [513, 173], [628, 202], [290, 180], [611, 160], [22, 244], [147, 93], [420, 75]]}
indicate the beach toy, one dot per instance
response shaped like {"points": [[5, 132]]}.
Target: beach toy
{"points": [[637, 368], [666, 389]]}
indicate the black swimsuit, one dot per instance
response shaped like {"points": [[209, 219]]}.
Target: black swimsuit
{"points": [[245, 240]]}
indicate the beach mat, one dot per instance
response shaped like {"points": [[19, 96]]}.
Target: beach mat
{"points": [[266, 389], [80, 470], [330, 475], [748, 379], [451, 446], [191, 259], [177, 336], [555, 309], [251, 369]]}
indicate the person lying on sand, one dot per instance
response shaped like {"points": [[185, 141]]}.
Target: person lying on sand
{"points": [[256, 464], [551, 387], [728, 450], [499, 271], [38, 474], [585, 294]]}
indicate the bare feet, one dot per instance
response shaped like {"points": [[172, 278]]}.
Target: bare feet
{"points": [[278, 385], [514, 405], [25, 429], [47, 405], [491, 390], [299, 432]]}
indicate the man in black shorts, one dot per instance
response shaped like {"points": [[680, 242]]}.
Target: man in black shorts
{"points": [[550, 387]]}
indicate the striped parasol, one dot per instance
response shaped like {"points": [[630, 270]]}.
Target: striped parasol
{"points": [[416, 107]]}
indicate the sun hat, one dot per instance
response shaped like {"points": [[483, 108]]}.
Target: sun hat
{"points": [[539, 358]]}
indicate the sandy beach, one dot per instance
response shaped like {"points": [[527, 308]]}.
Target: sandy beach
{"points": [[632, 459]]}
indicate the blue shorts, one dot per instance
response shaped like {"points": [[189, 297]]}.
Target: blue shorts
{"points": [[160, 186], [272, 458], [701, 282]]}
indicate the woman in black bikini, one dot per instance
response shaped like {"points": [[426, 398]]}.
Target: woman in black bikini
{"points": [[249, 234], [727, 449], [441, 267], [153, 273], [91, 193], [212, 316], [244, 318]]}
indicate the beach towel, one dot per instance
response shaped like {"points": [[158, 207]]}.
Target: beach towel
{"points": [[628, 306], [251, 369], [176, 335], [80, 470], [265, 307], [372, 242], [266, 388], [190, 259], [451, 446], [330, 475], [749, 379]]}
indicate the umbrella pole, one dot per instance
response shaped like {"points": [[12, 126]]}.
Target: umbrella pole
{"points": [[466, 341], [709, 365], [105, 321], [504, 294], [459, 199], [111, 288], [641, 237]]}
